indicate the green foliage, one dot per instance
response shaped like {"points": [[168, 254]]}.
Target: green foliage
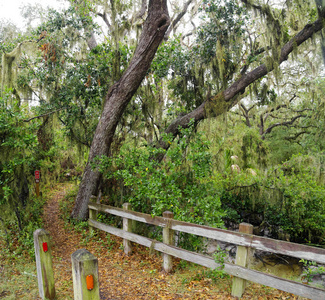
{"points": [[287, 197], [65, 76], [310, 270], [22, 152], [181, 183], [74, 18], [219, 257], [217, 273], [302, 203], [224, 24], [18, 141], [208, 64], [20, 241], [20, 211], [170, 55]]}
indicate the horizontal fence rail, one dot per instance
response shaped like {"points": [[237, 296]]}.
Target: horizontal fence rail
{"points": [[241, 239]]}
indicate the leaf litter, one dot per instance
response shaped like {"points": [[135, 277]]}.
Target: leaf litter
{"points": [[138, 276]]}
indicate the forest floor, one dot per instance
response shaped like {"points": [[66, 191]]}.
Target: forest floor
{"points": [[138, 276]]}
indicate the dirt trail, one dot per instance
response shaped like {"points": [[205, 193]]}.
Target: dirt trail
{"points": [[137, 276], [55, 226], [64, 243]]}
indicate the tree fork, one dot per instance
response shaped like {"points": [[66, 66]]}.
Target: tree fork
{"points": [[119, 96]]}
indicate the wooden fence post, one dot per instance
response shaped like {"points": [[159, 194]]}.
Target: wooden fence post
{"points": [[43, 256], [85, 275], [92, 213], [127, 226], [242, 259], [168, 238]]}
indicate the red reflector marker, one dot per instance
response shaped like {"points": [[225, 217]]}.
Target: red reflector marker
{"points": [[45, 248]]}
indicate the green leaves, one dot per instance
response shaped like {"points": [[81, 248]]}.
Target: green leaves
{"points": [[224, 23], [17, 141], [181, 183]]}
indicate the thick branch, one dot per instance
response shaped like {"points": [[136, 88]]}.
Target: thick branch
{"points": [[226, 99], [287, 123]]}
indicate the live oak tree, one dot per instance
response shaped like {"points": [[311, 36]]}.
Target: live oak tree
{"points": [[280, 43], [119, 96], [227, 57]]}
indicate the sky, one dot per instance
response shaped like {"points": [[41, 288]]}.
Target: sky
{"points": [[10, 9]]}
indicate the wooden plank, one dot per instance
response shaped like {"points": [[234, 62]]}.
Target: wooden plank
{"points": [[241, 239], [140, 217], [238, 271]]}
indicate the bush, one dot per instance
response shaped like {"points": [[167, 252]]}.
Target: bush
{"points": [[181, 183]]}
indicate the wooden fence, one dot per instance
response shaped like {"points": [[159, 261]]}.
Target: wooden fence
{"points": [[84, 270], [238, 238]]}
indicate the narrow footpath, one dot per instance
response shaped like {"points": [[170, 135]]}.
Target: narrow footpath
{"points": [[138, 276]]}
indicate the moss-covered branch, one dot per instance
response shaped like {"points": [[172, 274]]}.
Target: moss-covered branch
{"points": [[224, 100]]}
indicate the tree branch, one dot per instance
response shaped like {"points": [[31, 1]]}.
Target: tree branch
{"points": [[246, 112], [104, 17], [44, 115], [141, 12], [287, 123], [296, 135], [226, 99], [268, 113], [177, 19]]}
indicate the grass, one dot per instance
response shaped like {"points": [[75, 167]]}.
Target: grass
{"points": [[18, 278]]}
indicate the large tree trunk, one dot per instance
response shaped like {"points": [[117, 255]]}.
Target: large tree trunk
{"points": [[119, 96]]}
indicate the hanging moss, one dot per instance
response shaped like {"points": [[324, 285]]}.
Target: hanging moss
{"points": [[10, 68], [217, 105]]}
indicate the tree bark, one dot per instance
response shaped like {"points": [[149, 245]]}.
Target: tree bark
{"points": [[119, 96]]}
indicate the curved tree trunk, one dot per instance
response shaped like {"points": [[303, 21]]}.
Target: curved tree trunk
{"points": [[119, 96]]}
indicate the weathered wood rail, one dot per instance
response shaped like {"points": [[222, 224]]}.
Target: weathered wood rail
{"points": [[237, 238]]}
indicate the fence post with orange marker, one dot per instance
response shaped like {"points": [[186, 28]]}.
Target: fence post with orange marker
{"points": [[85, 275]]}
